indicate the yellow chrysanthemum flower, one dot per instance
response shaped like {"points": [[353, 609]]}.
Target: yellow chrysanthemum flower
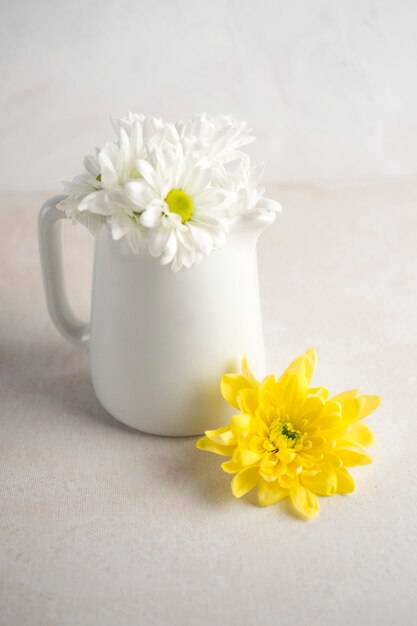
{"points": [[290, 439]]}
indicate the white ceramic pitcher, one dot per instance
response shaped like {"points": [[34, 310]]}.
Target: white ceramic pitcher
{"points": [[160, 341]]}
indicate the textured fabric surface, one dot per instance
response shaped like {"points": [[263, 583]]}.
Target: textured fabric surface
{"points": [[102, 525]]}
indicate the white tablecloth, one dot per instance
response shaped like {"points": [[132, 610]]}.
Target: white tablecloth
{"points": [[102, 525]]}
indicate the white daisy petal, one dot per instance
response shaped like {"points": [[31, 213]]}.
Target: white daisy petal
{"points": [[151, 217], [138, 193], [92, 222], [185, 239], [137, 138], [147, 171], [212, 199], [91, 165], [174, 220], [216, 230], [197, 179], [109, 178], [95, 203], [157, 240], [256, 174], [134, 238], [202, 238], [158, 203], [170, 249], [177, 263], [125, 151], [120, 225], [179, 174], [207, 222]]}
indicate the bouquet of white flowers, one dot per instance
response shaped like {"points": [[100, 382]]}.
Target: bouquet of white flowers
{"points": [[174, 187]]}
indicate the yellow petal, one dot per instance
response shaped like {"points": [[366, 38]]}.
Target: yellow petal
{"points": [[311, 453], [247, 400], [320, 392], [287, 455], [332, 408], [312, 408], [345, 482], [246, 457], [223, 436], [345, 395], [318, 442], [303, 365], [296, 390], [267, 399], [269, 383], [230, 467], [210, 446], [327, 422], [323, 483], [310, 363], [270, 493], [351, 458], [230, 386], [269, 475], [240, 422], [260, 424], [304, 501], [269, 461], [370, 403], [360, 433], [351, 409], [306, 460], [331, 461], [245, 481], [287, 481], [358, 408], [295, 367], [256, 444], [248, 374]]}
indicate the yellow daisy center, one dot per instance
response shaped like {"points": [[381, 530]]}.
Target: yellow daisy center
{"points": [[179, 202], [282, 434]]}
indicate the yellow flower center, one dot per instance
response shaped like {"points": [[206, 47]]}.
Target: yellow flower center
{"points": [[179, 202], [282, 434]]}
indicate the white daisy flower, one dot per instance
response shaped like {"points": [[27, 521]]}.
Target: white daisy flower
{"points": [[155, 132], [117, 166], [186, 216], [218, 137], [83, 185], [127, 121], [177, 186], [245, 181]]}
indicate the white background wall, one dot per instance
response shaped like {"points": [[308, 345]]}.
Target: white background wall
{"points": [[329, 86]]}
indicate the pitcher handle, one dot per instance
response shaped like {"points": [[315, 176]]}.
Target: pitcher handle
{"points": [[50, 249]]}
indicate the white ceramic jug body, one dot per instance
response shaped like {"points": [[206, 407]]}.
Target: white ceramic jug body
{"points": [[161, 341]]}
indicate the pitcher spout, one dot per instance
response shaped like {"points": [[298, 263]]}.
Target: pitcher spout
{"points": [[254, 222]]}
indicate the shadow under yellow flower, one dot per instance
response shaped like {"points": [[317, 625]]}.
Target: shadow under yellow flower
{"points": [[290, 439]]}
